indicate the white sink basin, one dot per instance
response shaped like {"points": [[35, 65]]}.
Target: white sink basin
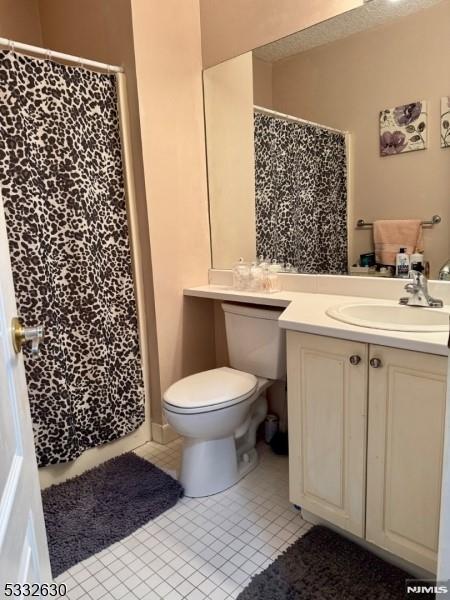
{"points": [[394, 317]]}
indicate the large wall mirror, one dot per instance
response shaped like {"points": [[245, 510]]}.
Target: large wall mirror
{"points": [[334, 143]]}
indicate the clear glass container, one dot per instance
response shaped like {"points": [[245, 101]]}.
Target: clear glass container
{"points": [[241, 275], [270, 281], [262, 262], [256, 277], [275, 267]]}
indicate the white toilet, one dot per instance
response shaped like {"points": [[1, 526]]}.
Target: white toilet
{"points": [[218, 411]]}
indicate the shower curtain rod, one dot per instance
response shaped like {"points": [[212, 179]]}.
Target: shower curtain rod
{"points": [[50, 55], [274, 113]]}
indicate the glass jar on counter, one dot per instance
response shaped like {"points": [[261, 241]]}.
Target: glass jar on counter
{"points": [[256, 277], [270, 281], [241, 275]]}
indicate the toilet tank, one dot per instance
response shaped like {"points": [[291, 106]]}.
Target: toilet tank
{"points": [[256, 344]]}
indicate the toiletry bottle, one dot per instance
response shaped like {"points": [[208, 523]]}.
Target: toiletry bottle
{"points": [[402, 264], [416, 262]]}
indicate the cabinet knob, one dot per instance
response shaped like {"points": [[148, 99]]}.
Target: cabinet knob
{"points": [[375, 363], [355, 359]]}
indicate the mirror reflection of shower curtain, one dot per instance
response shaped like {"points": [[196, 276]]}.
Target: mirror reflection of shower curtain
{"points": [[62, 185], [300, 195]]}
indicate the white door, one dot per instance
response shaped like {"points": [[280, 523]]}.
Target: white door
{"points": [[327, 405], [407, 397], [23, 544]]}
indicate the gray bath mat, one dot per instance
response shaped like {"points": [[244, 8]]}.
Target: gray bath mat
{"points": [[323, 565], [89, 513]]}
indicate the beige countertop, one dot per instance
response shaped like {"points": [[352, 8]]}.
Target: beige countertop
{"points": [[307, 312]]}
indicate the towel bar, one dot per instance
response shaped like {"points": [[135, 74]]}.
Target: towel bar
{"points": [[435, 219]]}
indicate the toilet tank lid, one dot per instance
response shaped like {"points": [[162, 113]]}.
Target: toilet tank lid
{"points": [[210, 388], [258, 312]]}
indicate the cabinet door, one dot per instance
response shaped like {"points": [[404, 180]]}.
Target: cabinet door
{"points": [[327, 399], [405, 442]]}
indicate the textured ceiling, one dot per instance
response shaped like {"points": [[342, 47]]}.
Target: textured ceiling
{"points": [[374, 13]]}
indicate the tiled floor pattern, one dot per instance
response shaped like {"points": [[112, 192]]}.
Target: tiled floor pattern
{"points": [[205, 548]]}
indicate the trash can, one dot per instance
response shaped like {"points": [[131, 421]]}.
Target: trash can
{"points": [[270, 427]]}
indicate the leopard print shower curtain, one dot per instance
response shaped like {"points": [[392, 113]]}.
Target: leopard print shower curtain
{"points": [[300, 195], [62, 186]]}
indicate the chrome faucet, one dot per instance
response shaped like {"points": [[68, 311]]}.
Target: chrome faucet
{"points": [[444, 271], [418, 289]]}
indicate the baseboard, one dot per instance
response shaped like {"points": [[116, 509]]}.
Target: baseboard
{"points": [[163, 434]]}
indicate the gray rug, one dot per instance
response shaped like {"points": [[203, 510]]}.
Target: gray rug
{"points": [[104, 505], [323, 565]]}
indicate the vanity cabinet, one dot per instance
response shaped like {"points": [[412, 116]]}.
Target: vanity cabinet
{"points": [[366, 430], [327, 408], [407, 394]]}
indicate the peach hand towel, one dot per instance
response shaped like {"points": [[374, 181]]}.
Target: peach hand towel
{"points": [[390, 236]]}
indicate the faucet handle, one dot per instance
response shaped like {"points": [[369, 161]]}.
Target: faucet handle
{"points": [[416, 276], [419, 280]]}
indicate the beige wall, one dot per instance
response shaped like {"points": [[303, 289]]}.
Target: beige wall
{"points": [[168, 63], [231, 27], [228, 93], [19, 21], [262, 83], [345, 84], [98, 29]]}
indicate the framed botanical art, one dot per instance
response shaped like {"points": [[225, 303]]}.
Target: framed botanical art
{"points": [[445, 122], [403, 128]]}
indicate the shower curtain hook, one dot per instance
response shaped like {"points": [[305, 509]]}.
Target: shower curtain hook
{"points": [[48, 54], [80, 62], [108, 69], [11, 46]]}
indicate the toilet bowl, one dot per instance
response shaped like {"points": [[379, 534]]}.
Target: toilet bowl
{"points": [[218, 411]]}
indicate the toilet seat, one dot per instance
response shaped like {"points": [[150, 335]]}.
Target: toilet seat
{"points": [[209, 390]]}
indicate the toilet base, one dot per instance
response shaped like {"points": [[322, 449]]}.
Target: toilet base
{"points": [[248, 462], [211, 466]]}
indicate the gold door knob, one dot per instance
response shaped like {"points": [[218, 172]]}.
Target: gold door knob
{"points": [[22, 335]]}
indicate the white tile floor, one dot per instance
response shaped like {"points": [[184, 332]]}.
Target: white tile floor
{"points": [[204, 548]]}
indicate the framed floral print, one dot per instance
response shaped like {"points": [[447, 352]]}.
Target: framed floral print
{"points": [[403, 128], [445, 122]]}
